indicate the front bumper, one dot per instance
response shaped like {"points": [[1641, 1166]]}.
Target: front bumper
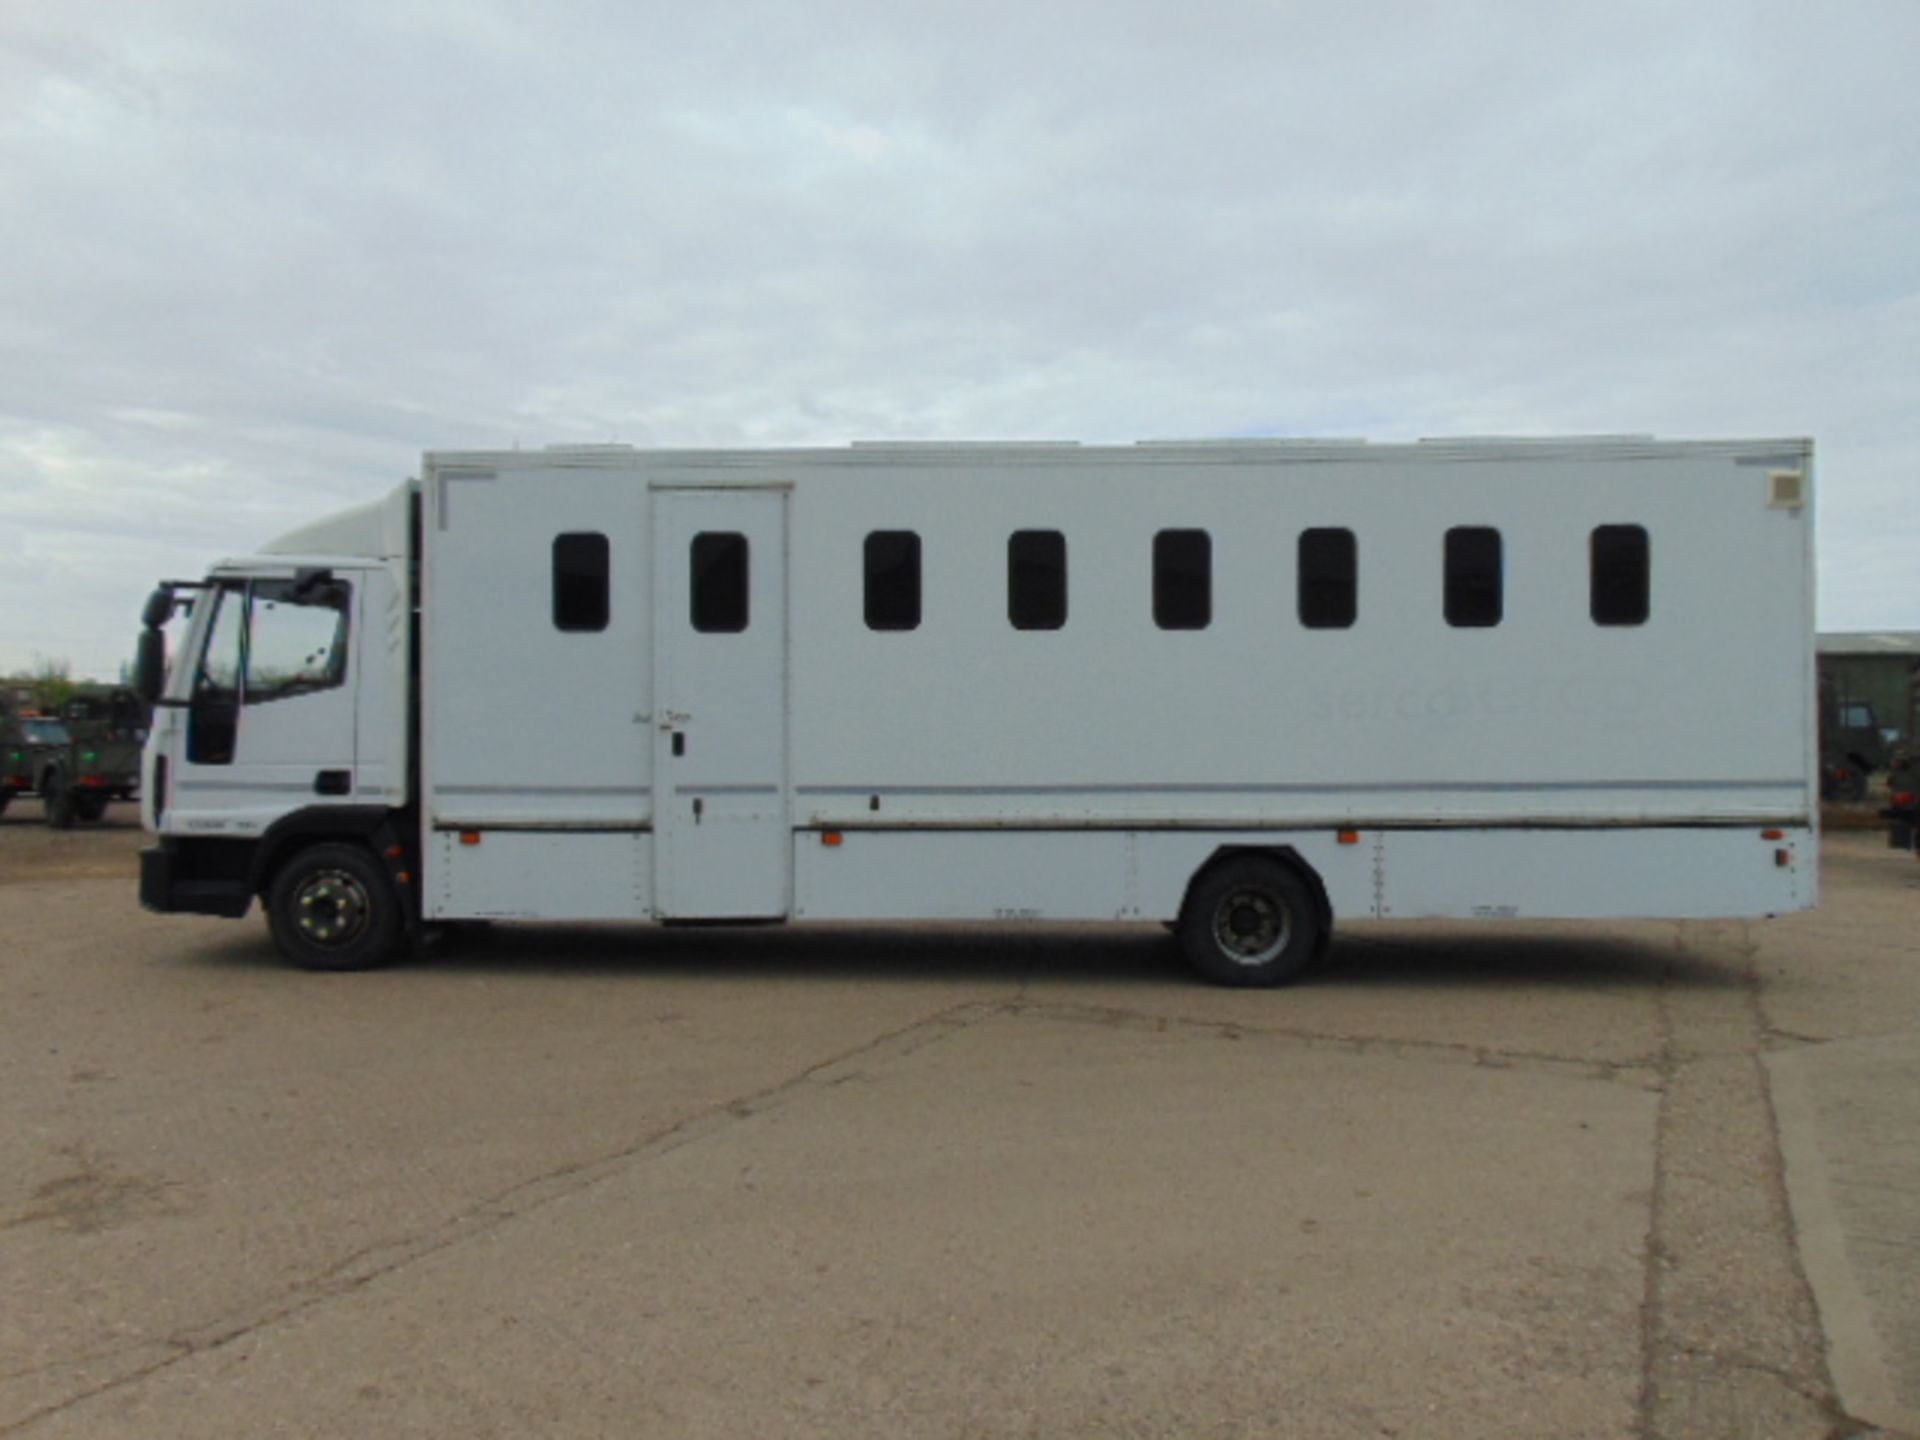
{"points": [[183, 877]]}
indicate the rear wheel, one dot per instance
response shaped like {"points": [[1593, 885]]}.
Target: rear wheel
{"points": [[332, 907], [1846, 783], [1250, 921]]}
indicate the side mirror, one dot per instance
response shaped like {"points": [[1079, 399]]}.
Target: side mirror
{"points": [[159, 608], [149, 664]]}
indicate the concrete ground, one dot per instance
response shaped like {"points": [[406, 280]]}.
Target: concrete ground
{"points": [[1529, 1180]]}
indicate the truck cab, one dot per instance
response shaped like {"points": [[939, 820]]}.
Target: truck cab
{"points": [[280, 717]]}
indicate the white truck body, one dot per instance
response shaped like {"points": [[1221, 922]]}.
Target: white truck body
{"points": [[1523, 757]]}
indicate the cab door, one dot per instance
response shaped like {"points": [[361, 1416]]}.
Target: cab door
{"points": [[722, 839], [269, 726]]}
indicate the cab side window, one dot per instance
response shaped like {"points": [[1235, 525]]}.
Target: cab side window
{"points": [[296, 639]]}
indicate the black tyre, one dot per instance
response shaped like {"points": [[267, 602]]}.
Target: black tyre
{"points": [[6, 799], [1250, 921], [332, 907], [56, 795], [90, 805], [1846, 783]]}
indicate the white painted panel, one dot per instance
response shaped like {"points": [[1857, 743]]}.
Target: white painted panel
{"points": [[522, 722], [1596, 874], [1255, 723], [539, 875], [963, 875], [1041, 875], [380, 727], [1258, 719], [1437, 874]]}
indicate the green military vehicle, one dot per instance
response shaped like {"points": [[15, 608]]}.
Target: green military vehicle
{"points": [[32, 746], [106, 728], [79, 761]]}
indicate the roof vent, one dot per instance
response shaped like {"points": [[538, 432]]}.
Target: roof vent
{"points": [[1786, 489]]}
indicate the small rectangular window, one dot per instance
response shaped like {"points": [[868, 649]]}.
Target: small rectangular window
{"points": [[1037, 579], [1619, 575], [580, 581], [1473, 595], [1182, 579], [719, 582], [893, 580], [1329, 579]]}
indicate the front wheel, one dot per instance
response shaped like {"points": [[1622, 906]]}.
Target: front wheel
{"points": [[1250, 921], [332, 907]]}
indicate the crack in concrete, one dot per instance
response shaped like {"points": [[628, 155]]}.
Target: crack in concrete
{"points": [[1656, 1252], [1486, 1056], [1661, 1343], [362, 1268]]}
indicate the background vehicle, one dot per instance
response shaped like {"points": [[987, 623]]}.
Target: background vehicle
{"points": [[1903, 781], [26, 742], [1853, 746], [107, 727], [77, 762], [1239, 688]]}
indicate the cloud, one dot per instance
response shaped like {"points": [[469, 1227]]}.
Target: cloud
{"points": [[259, 260]]}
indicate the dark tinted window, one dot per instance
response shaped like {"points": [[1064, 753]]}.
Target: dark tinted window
{"points": [[1618, 555], [580, 581], [1182, 579], [1329, 575], [1037, 579], [719, 599], [893, 580], [1473, 576]]}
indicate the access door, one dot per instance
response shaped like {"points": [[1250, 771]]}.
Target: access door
{"points": [[722, 844]]}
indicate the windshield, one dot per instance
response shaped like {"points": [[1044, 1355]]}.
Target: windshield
{"points": [[44, 732]]}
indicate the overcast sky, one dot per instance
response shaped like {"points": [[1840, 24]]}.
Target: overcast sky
{"points": [[257, 257]]}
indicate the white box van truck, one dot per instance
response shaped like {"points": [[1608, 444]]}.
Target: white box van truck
{"points": [[1239, 688]]}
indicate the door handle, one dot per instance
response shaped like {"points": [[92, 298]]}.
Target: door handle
{"points": [[333, 782], [679, 743]]}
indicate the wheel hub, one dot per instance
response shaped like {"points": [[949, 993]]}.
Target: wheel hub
{"points": [[1251, 927], [332, 908]]}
